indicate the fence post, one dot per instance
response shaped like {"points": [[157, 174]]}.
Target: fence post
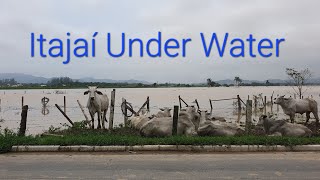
{"points": [[239, 107], [22, 101], [248, 116], [64, 104], [175, 120], [271, 104], [265, 104], [180, 102], [82, 109], [124, 101], [113, 99], [64, 114], [278, 104], [211, 108], [148, 104], [255, 103], [23, 123]]}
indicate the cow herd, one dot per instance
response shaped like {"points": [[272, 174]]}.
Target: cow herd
{"points": [[196, 122]]}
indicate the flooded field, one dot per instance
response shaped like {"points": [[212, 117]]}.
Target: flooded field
{"points": [[40, 119]]}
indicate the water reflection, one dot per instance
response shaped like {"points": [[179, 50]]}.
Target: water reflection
{"points": [[45, 110]]}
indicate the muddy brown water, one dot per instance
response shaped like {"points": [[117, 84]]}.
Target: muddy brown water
{"points": [[159, 97]]}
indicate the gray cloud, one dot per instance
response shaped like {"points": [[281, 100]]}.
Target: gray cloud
{"points": [[296, 21]]}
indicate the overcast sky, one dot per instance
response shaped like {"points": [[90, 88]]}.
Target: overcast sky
{"points": [[296, 21]]}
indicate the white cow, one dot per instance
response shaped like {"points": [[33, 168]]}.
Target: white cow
{"points": [[216, 128], [162, 127], [283, 128], [164, 112], [97, 103], [137, 121], [292, 106]]}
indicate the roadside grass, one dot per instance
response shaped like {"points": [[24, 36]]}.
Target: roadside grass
{"points": [[126, 136]]}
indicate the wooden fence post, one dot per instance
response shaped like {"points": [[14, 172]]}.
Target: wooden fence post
{"points": [[64, 104], [278, 104], [125, 111], [248, 116], [255, 103], [23, 123], [82, 109], [239, 107], [22, 101], [175, 120], [113, 99], [148, 104], [64, 114], [271, 104], [265, 104]]}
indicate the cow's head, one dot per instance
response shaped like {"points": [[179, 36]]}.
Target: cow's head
{"points": [[262, 118], [92, 90], [280, 100]]}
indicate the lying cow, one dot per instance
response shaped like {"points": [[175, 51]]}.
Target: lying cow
{"points": [[162, 127], [164, 112], [136, 122], [97, 103], [283, 128], [216, 128], [292, 106]]}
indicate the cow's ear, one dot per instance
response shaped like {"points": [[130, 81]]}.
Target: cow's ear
{"points": [[161, 109], [98, 92], [264, 116], [169, 109], [85, 93]]}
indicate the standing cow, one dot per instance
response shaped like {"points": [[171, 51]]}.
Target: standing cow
{"points": [[97, 103], [292, 106]]}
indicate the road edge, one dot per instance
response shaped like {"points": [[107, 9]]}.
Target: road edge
{"points": [[180, 148]]}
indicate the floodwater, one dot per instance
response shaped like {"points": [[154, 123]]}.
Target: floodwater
{"points": [[40, 119]]}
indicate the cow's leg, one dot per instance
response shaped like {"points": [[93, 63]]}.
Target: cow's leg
{"points": [[99, 118], [308, 117], [292, 118], [102, 120], [105, 116], [315, 113], [92, 120]]}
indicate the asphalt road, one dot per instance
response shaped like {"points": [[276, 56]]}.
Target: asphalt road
{"points": [[160, 166]]}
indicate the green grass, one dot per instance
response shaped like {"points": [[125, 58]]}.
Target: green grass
{"points": [[106, 138]]}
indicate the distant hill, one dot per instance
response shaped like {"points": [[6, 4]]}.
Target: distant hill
{"points": [[275, 81], [27, 79], [24, 78], [130, 81]]}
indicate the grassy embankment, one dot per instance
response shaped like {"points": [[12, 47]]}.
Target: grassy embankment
{"points": [[125, 136]]}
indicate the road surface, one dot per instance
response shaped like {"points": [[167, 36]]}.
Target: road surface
{"points": [[160, 166]]}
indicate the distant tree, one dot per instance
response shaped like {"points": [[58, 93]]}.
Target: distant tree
{"points": [[267, 83], [299, 78], [58, 81], [237, 81], [211, 83], [8, 82], [154, 85]]}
